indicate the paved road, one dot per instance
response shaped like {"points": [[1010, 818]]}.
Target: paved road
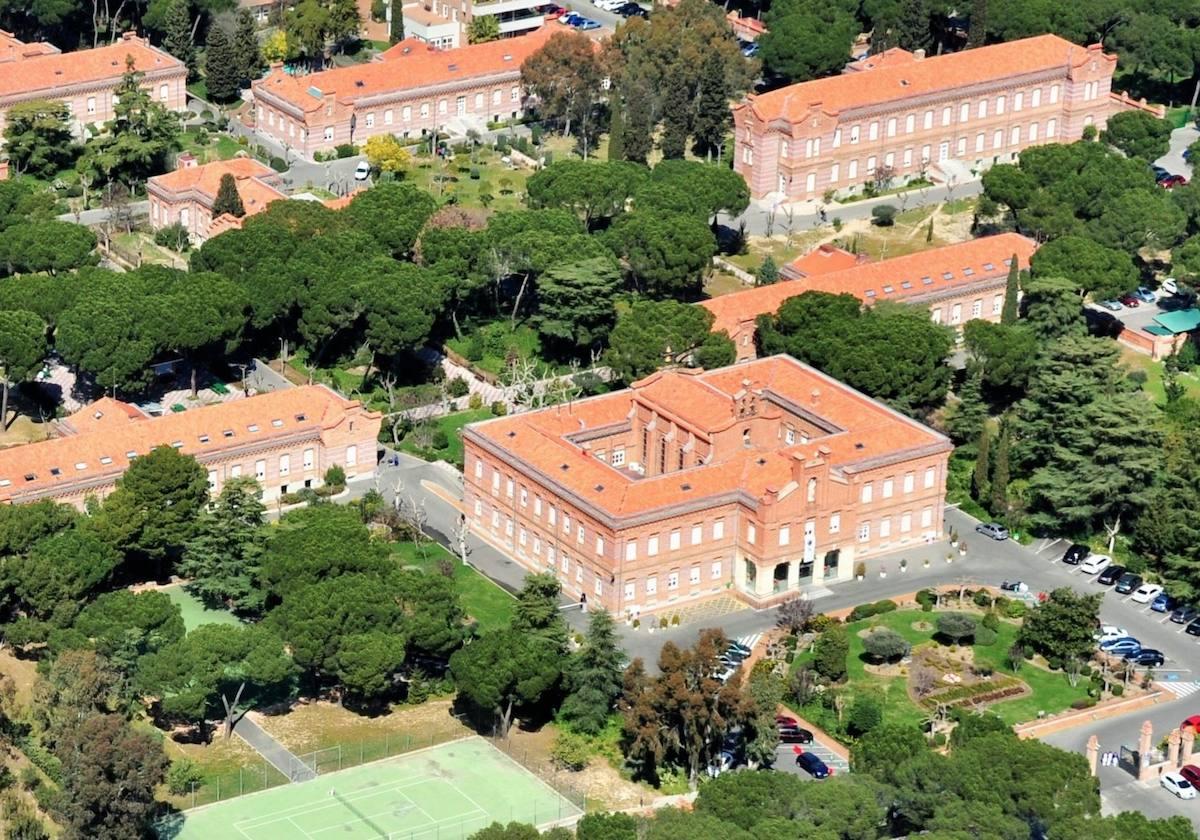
{"points": [[283, 760], [1119, 791], [1173, 160], [99, 214]]}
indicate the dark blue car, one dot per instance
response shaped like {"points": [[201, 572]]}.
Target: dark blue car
{"points": [[813, 765]]}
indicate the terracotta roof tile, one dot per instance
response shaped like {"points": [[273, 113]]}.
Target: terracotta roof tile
{"points": [[869, 281], [102, 446], [898, 78], [824, 259], [252, 179], [48, 72]]}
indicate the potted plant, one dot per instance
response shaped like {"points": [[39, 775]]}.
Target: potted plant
{"points": [[637, 622], [962, 547], [953, 538], [883, 571], [903, 565], [926, 563], [949, 556], [860, 570]]}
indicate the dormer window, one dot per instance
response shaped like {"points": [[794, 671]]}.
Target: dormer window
{"points": [[53, 471], [300, 418], [204, 438], [31, 476], [278, 424], [106, 460], [253, 427], [80, 465], [227, 433], [177, 444], [131, 454]]}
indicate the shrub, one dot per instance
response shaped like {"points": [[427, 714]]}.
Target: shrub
{"points": [[345, 150], [183, 776], [6, 778], [956, 626], [570, 750], [790, 642], [865, 714], [499, 409], [985, 636], [1117, 690], [335, 476], [475, 402], [475, 173], [173, 236], [75, 191], [662, 623], [278, 164], [831, 651], [820, 623], [457, 387], [1015, 609], [884, 215], [885, 606], [1084, 703], [926, 598], [983, 599], [991, 621], [860, 612], [420, 687], [440, 440], [30, 778], [1054, 663], [885, 645], [675, 620]]}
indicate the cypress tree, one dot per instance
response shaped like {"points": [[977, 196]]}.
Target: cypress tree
{"points": [[676, 117], [222, 74], [929, 231], [913, 30], [979, 480], [977, 30], [228, 200], [965, 419], [1008, 315], [245, 45], [177, 35], [768, 273], [616, 128], [1000, 474], [396, 26], [713, 116], [639, 128]]}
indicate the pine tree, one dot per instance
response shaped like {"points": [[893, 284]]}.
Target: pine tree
{"points": [[979, 480], [222, 74], [396, 26], [768, 272], [1008, 315], [639, 127], [713, 117], [965, 418], [912, 27], [228, 200], [245, 45], [616, 128], [177, 36], [1000, 474], [977, 31], [594, 677], [676, 117]]}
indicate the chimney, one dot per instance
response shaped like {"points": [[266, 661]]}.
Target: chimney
{"points": [[129, 36], [918, 55], [186, 160]]}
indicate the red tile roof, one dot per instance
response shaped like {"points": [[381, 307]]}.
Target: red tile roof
{"points": [[49, 73], [102, 446], [824, 259], [421, 66], [865, 429], [902, 79], [894, 279], [251, 177]]}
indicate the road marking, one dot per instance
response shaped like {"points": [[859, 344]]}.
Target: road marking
{"points": [[1179, 689]]}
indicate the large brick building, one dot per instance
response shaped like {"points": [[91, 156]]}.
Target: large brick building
{"points": [[958, 283], [412, 90], [285, 439], [752, 480], [186, 195], [913, 114], [85, 80]]}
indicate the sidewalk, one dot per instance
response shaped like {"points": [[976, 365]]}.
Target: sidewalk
{"points": [[280, 757]]}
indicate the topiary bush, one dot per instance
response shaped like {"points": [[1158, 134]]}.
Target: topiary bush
{"points": [[183, 776], [439, 439], [499, 409], [956, 627], [457, 387], [926, 598], [985, 636], [335, 476], [991, 621]]}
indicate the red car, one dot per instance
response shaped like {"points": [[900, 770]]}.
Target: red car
{"points": [[553, 12], [1130, 301], [1190, 772], [1173, 181], [1193, 721]]}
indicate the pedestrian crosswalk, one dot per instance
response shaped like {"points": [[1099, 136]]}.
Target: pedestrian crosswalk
{"points": [[750, 641], [1179, 689]]}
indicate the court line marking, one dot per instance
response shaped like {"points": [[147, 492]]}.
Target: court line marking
{"points": [[310, 809], [558, 796]]}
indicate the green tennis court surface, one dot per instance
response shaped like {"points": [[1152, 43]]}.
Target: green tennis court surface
{"points": [[443, 793]]}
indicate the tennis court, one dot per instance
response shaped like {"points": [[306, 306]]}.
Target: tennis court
{"points": [[446, 792]]}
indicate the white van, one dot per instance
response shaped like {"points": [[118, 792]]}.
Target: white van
{"points": [[1095, 564]]}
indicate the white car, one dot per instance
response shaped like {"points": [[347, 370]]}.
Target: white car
{"points": [[1146, 593], [608, 5], [363, 171], [1176, 784], [1110, 633], [1170, 286], [1095, 564]]}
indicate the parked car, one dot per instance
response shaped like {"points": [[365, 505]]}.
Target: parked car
{"points": [[1124, 647], [1159, 172], [570, 18], [1193, 629], [1121, 640], [1095, 563], [1193, 721], [813, 765], [1111, 305], [587, 25], [1129, 300], [1176, 784], [1109, 632], [1146, 658], [1184, 614], [1173, 181], [1110, 575], [1128, 582], [786, 720], [750, 51], [1190, 772], [1014, 586], [795, 735], [992, 529], [1143, 294], [1163, 603], [553, 12], [1170, 286], [608, 5], [629, 9], [1146, 593], [740, 648], [363, 171], [1076, 554]]}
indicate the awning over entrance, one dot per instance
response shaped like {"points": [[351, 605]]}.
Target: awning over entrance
{"points": [[1185, 320]]}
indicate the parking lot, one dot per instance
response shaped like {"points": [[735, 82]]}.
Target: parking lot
{"points": [[1144, 313]]}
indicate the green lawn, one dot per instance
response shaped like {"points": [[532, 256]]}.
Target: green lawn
{"points": [[483, 600], [193, 610], [451, 424], [1050, 691], [1154, 376]]}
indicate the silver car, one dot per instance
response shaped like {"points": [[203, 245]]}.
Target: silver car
{"points": [[992, 529]]}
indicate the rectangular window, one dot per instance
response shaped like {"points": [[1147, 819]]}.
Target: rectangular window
{"points": [[478, 508], [783, 148], [550, 556], [1018, 101], [508, 487], [789, 436], [618, 457], [751, 533], [910, 123], [868, 493], [329, 132], [964, 112], [442, 106], [871, 165], [478, 101], [537, 506], [998, 138], [371, 120], [406, 113], [852, 170], [976, 309], [597, 587], [929, 476], [630, 590], [873, 130], [285, 464], [979, 142], [524, 497], [835, 523], [675, 538], [889, 160], [1015, 135], [508, 527], [747, 155], [946, 115], [719, 529], [715, 572], [599, 545], [631, 550], [909, 482], [997, 304], [927, 517], [697, 534], [91, 104], [956, 313], [785, 535], [652, 585], [260, 470], [553, 514], [907, 158], [515, 93], [308, 459], [212, 479], [1035, 98], [579, 534], [928, 121], [565, 563], [235, 470], [164, 92], [854, 134], [891, 127], [837, 137], [496, 95], [885, 528], [905, 523], [1000, 105], [521, 537], [887, 488], [694, 575], [387, 117], [1053, 94], [833, 173], [1051, 128], [652, 546], [424, 109], [1033, 131], [478, 468], [864, 532], [567, 524], [673, 581], [495, 481]]}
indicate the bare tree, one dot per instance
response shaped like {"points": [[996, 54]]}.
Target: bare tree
{"points": [[923, 680], [794, 615], [1074, 666]]}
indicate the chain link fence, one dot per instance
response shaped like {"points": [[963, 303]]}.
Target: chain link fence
{"points": [[548, 771]]}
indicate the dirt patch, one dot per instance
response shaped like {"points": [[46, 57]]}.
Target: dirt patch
{"points": [[889, 670], [922, 626], [23, 673], [23, 430], [603, 784], [317, 725]]}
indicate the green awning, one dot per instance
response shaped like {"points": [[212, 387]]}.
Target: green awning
{"points": [[1185, 320], [1155, 329]]}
